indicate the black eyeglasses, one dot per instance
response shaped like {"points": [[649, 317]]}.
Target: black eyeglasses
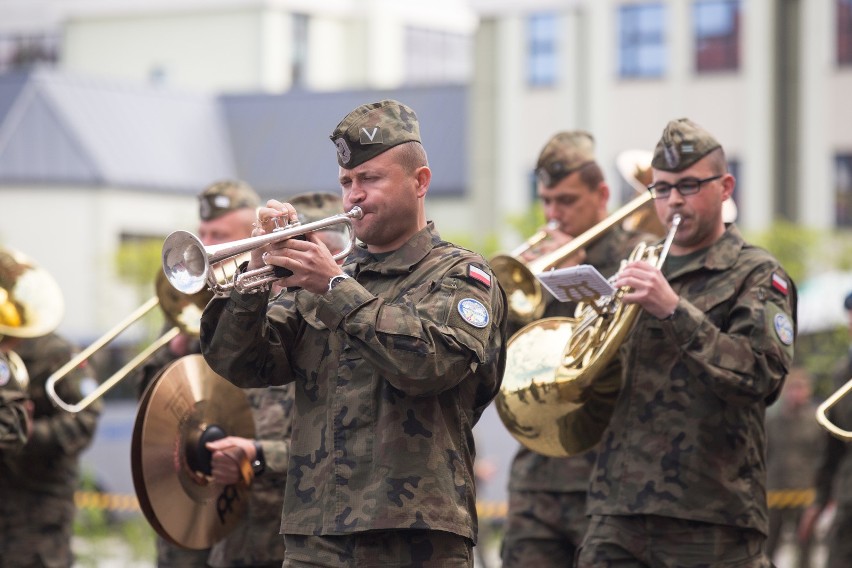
{"points": [[688, 186]]}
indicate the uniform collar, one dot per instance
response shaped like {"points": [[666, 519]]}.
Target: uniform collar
{"points": [[721, 255], [401, 260]]}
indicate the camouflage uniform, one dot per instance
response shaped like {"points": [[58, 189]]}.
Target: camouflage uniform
{"points": [[794, 445], [37, 484], [686, 439], [391, 373], [14, 419], [680, 477], [547, 496], [834, 474]]}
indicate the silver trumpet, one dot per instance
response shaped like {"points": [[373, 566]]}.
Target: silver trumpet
{"points": [[189, 266]]}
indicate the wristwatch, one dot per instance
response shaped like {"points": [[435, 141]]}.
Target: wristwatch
{"points": [[258, 465], [335, 280]]}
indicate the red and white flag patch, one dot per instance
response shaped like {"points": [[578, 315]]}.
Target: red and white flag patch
{"points": [[479, 275], [780, 283]]}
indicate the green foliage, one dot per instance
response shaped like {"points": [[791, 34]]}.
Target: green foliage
{"points": [[791, 244], [137, 262], [100, 534]]}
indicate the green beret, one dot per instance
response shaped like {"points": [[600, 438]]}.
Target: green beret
{"points": [[683, 143], [225, 196], [372, 129], [564, 153], [312, 207]]}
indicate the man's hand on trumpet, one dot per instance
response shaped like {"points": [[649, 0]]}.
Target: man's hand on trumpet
{"points": [[310, 260]]}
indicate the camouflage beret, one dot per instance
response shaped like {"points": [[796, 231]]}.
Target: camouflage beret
{"points": [[683, 143], [372, 129], [225, 196], [564, 153], [316, 206]]}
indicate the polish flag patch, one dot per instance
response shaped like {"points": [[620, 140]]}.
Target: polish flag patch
{"points": [[780, 283], [479, 275]]}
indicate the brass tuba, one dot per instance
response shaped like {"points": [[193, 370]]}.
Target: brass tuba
{"points": [[31, 305], [557, 394]]}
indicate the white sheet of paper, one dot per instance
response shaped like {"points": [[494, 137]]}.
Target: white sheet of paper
{"points": [[577, 283]]}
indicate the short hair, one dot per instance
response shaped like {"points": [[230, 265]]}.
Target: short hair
{"points": [[411, 155]]}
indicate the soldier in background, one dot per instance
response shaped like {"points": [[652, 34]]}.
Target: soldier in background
{"points": [[680, 477], [834, 473], [393, 359], [547, 496], [37, 484], [227, 213], [15, 410], [794, 446]]}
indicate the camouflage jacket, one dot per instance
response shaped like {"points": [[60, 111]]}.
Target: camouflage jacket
{"points": [[392, 369], [257, 539], [535, 472], [687, 439], [794, 447], [833, 478], [13, 414], [37, 483], [48, 463]]}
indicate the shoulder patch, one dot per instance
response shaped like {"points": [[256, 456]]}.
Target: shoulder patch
{"points": [[783, 328], [473, 312], [5, 372], [780, 283], [476, 273]]}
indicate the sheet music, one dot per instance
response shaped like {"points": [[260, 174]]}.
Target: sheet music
{"points": [[577, 283]]}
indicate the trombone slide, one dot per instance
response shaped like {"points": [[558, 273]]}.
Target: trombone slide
{"points": [[822, 413]]}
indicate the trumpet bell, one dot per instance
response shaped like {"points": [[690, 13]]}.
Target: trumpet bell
{"points": [[185, 262], [31, 302]]}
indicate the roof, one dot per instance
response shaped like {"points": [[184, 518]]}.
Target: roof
{"points": [[281, 142], [69, 130], [62, 129]]}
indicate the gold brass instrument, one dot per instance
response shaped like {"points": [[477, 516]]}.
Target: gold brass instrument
{"points": [[524, 292], [182, 311], [556, 397], [822, 413], [31, 305], [190, 266]]}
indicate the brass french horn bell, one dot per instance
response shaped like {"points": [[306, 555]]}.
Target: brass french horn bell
{"points": [[557, 396], [31, 305], [31, 302]]}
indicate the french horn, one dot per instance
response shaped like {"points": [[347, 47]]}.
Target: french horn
{"points": [[557, 392]]}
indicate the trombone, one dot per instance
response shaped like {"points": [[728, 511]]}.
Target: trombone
{"points": [[822, 413], [523, 290], [189, 265], [183, 311]]}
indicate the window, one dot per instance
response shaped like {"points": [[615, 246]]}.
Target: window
{"points": [[717, 35], [844, 32], [299, 60], [541, 40], [19, 51], [437, 57], [843, 189], [641, 47]]}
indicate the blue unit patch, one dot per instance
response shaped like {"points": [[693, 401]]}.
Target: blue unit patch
{"points": [[473, 312], [783, 328]]}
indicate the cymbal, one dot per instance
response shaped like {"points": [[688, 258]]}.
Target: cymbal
{"points": [[31, 303], [185, 407]]}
